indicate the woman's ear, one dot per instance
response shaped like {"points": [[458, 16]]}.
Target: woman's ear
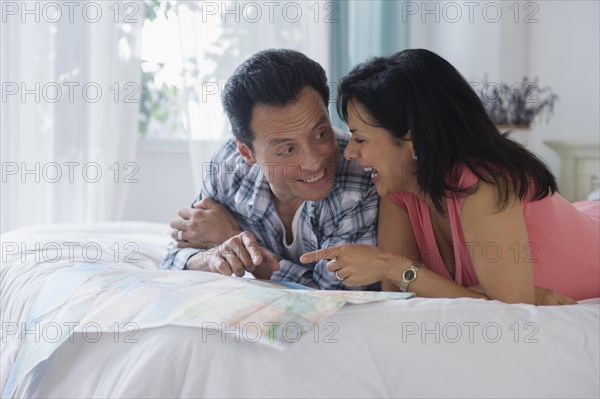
{"points": [[245, 152], [410, 143]]}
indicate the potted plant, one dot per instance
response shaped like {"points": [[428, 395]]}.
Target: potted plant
{"points": [[515, 107]]}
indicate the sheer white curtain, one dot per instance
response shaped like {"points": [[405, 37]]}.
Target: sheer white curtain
{"points": [[218, 36], [70, 99]]}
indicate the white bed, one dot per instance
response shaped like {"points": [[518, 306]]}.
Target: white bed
{"points": [[397, 348]]}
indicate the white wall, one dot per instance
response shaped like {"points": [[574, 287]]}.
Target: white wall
{"points": [[565, 54], [556, 41], [166, 183], [470, 44]]}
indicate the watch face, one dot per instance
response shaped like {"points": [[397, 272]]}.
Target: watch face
{"points": [[409, 275]]}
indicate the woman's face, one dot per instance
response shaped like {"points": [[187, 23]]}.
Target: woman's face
{"points": [[389, 159]]}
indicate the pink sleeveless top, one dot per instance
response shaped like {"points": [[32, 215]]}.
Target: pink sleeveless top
{"points": [[565, 237]]}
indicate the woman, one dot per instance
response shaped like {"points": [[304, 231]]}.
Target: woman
{"points": [[465, 211]]}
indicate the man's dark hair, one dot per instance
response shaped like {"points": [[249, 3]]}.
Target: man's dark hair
{"points": [[418, 91], [269, 77]]}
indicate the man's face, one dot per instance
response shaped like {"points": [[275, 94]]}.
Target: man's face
{"points": [[295, 148]]}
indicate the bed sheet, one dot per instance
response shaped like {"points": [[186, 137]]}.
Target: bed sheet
{"points": [[412, 348]]}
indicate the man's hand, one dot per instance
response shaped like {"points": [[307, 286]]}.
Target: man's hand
{"points": [[237, 255], [206, 224]]}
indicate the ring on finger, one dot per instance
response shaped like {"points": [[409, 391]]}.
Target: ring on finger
{"points": [[338, 276], [179, 235]]}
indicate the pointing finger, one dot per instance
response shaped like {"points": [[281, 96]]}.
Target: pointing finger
{"points": [[253, 247], [325, 253]]}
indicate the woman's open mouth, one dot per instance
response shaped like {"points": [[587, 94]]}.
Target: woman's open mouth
{"points": [[374, 173]]}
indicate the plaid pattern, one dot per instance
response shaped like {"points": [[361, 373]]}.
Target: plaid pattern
{"points": [[347, 215]]}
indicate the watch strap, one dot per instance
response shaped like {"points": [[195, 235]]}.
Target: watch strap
{"points": [[409, 275]]}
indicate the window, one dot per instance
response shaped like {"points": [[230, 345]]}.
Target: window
{"points": [[160, 114], [190, 48]]}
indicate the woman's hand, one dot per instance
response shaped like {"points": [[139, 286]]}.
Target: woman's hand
{"points": [[353, 263], [546, 297], [543, 296]]}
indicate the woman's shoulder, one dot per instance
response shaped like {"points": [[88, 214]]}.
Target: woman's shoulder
{"points": [[482, 189], [462, 177], [467, 181]]}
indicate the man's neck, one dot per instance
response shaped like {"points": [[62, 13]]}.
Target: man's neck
{"points": [[286, 211]]}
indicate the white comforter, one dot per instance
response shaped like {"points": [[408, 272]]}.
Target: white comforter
{"points": [[406, 348]]}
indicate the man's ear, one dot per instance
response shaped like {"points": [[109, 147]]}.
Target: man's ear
{"points": [[245, 152]]}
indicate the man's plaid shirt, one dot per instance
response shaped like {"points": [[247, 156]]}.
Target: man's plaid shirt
{"points": [[347, 215]]}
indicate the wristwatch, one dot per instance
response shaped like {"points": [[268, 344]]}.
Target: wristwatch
{"points": [[409, 275]]}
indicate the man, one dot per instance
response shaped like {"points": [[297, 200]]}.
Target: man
{"points": [[282, 187]]}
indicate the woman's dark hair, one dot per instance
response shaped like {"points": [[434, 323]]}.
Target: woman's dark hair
{"points": [[270, 77], [418, 90]]}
